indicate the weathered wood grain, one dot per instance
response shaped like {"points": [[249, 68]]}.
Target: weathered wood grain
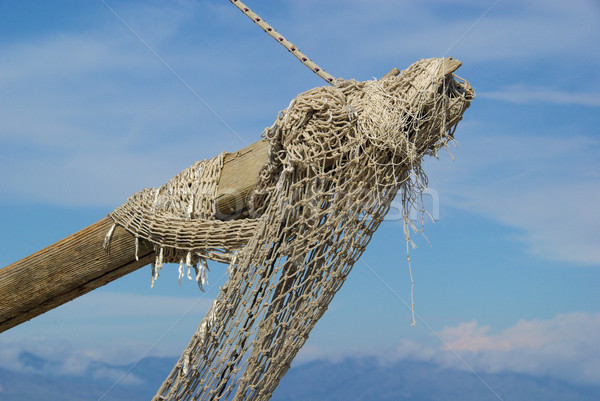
{"points": [[65, 270], [238, 178]]}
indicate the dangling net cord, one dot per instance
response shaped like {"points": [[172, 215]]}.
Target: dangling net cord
{"points": [[408, 225], [284, 42]]}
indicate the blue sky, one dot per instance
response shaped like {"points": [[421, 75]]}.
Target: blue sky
{"points": [[90, 115]]}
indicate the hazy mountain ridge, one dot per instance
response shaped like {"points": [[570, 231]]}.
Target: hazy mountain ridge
{"points": [[366, 379], [348, 380]]}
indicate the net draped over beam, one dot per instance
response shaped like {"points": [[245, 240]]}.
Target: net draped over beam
{"points": [[338, 157]]}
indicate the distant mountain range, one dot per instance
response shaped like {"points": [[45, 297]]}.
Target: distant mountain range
{"points": [[348, 380], [366, 379]]}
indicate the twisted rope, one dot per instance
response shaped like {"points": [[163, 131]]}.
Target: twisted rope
{"points": [[283, 41]]}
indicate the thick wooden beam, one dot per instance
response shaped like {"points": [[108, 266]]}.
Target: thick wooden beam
{"points": [[78, 264], [65, 270]]}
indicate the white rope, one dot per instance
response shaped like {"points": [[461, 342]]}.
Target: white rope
{"points": [[284, 42]]}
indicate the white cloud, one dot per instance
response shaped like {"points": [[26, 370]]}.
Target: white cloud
{"points": [[108, 327], [117, 375], [101, 304], [512, 31], [546, 186], [564, 347], [523, 94], [73, 365], [61, 358]]}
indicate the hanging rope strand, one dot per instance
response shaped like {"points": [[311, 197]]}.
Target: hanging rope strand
{"points": [[286, 43]]}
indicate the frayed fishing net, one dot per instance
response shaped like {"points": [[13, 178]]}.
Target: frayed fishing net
{"points": [[338, 157]]}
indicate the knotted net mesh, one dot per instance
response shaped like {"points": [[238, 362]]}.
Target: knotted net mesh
{"points": [[338, 157]]}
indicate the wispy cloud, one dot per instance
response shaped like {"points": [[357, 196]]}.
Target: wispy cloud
{"points": [[564, 347], [59, 359], [523, 32], [523, 94], [102, 305], [530, 182], [109, 327], [112, 375]]}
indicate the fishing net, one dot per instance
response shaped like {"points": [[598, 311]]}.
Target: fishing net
{"points": [[338, 157]]}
